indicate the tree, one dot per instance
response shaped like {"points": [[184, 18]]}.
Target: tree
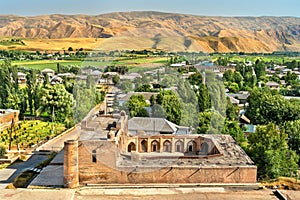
{"points": [[2, 151], [116, 79], [292, 128], [171, 105], [211, 122], [136, 106], [70, 49], [267, 105], [269, 150], [259, 68], [126, 86], [5, 81], [232, 128], [57, 102]]}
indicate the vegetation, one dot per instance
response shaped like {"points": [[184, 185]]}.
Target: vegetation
{"points": [[269, 150], [28, 133]]}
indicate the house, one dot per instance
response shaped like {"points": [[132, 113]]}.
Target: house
{"points": [[21, 78], [56, 80], [241, 96], [273, 85], [130, 76], [49, 72], [115, 155], [122, 98]]}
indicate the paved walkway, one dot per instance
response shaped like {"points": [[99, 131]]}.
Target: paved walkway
{"points": [[145, 194], [52, 175], [10, 173]]}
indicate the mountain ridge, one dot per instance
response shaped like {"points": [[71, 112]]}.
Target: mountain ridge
{"points": [[167, 31]]}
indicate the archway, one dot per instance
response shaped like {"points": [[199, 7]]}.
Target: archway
{"points": [[167, 146], [131, 147], [155, 146], [179, 146], [144, 145], [191, 147]]}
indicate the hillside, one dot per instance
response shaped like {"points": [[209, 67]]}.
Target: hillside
{"points": [[155, 30]]}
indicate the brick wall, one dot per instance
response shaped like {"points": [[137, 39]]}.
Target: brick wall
{"points": [[105, 171]]}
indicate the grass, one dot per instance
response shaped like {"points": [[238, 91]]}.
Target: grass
{"points": [[29, 133], [141, 63]]}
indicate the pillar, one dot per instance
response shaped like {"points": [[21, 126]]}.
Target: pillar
{"points": [[71, 174]]}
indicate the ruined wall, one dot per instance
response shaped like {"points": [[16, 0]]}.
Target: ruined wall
{"points": [[105, 171], [7, 117]]}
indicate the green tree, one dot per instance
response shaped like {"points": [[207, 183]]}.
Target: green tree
{"points": [[6, 85], [269, 150], [57, 102], [116, 79], [267, 105], [2, 151], [292, 128], [136, 106], [232, 128], [126, 86], [171, 105]]}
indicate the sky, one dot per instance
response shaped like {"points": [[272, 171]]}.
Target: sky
{"points": [[196, 7]]}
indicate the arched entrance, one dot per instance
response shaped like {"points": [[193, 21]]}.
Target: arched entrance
{"points": [[167, 146], [179, 146], [144, 145], [131, 147], [155, 146], [191, 147]]}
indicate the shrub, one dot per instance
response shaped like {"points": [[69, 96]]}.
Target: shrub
{"points": [[2, 151]]}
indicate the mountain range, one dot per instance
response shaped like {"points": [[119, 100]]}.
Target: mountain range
{"points": [[164, 31]]}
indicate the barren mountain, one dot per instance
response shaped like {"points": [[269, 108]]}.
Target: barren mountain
{"points": [[167, 31]]}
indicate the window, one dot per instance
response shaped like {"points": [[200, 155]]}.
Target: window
{"points": [[94, 156], [179, 146], [167, 146]]}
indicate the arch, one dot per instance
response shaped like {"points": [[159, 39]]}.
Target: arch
{"points": [[204, 148], [131, 147], [155, 146], [191, 147], [179, 146], [144, 145], [167, 146]]}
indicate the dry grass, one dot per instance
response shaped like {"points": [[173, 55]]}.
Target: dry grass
{"points": [[55, 44], [282, 183]]}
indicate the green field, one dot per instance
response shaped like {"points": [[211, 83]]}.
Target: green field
{"points": [[134, 64]]}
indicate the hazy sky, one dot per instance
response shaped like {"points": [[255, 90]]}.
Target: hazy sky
{"points": [[198, 7]]}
